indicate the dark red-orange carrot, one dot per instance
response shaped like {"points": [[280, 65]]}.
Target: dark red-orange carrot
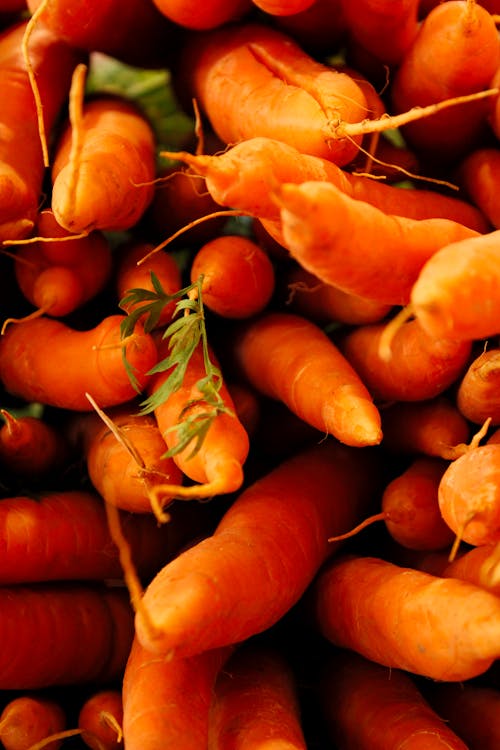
{"points": [[42, 360], [28, 719], [100, 720], [166, 704], [289, 358], [238, 276], [190, 14], [21, 156], [62, 634], [441, 628], [283, 7], [256, 703], [318, 28], [262, 556], [104, 163], [280, 91], [420, 366], [477, 393], [479, 175], [31, 447], [369, 707]]}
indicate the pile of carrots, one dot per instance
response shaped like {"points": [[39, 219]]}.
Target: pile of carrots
{"points": [[250, 375]]}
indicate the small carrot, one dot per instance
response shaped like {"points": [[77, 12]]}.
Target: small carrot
{"points": [[167, 703], [256, 703], [477, 391], [441, 628], [29, 719], [369, 707], [31, 447], [100, 719], [307, 498], [104, 163], [41, 360], [287, 357], [238, 276]]}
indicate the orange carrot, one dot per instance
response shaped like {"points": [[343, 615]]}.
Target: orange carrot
{"points": [[42, 360], [306, 499], [331, 235], [238, 276], [369, 707], [283, 7], [287, 357], [420, 366], [441, 628], [477, 392], [477, 565], [167, 703], [256, 703], [192, 15], [478, 175], [91, 187], [303, 99], [100, 720], [29, 719], [31, 447]]}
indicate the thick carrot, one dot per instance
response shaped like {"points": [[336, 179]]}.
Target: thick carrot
{"points": [[42, 360], [31, 447], [100, 719], [62, 634], [470, 710], [332, 235], [279, 90], [29, 719], [287, 357], [21, 157], [369, 707], [456, 52], [477, 394], [256, 703], [479, 175], [238, 276], [420, 366], [262, 556], [166, 704], [104, 163], [441, 628]]}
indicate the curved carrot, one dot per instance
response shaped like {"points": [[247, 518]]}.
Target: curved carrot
{"points": [[307, 498], [287, 357], [31, 447], [440, 628], [93, 188], [167, 703], [100, 720], [279, 91], [42, 360], [369, 707], [256, 703], [29, 719], [477, 394]]}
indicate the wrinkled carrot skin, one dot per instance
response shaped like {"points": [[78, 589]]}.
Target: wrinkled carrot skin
{"points": [[478, 390], [287, 357], [420, 367], [22, 167], [301, 98], [115, 172], [121, 478], [41, 360], [456, 52], [470, 710], [469, 495], [441, 628], [31, 447], [245, 175], [340, 251], [479, 176], [27, 719], [433, 427], [448, 307], [166, 703], [65, 536], [255, 703], [97, 732], [62, 634], [135, 33], [307, 498], [369, 707], [192, 15]]}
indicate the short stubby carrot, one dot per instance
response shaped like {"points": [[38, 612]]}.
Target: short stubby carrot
{"points": [[46, 360], [441, 628], [279, 91], [350, 243], [287, 357], [262, 556]]}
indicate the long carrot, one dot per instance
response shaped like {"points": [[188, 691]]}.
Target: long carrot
{"points": [[29, 719], [286, 357], [441, 628], [274, 537], [42, 360]]}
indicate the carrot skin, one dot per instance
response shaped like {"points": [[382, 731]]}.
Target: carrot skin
{"points": [[31, 447], [97, 732], [479, 175], [31, 718], [441, 628], [477, 393], [305, 500], [189, 13]]}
